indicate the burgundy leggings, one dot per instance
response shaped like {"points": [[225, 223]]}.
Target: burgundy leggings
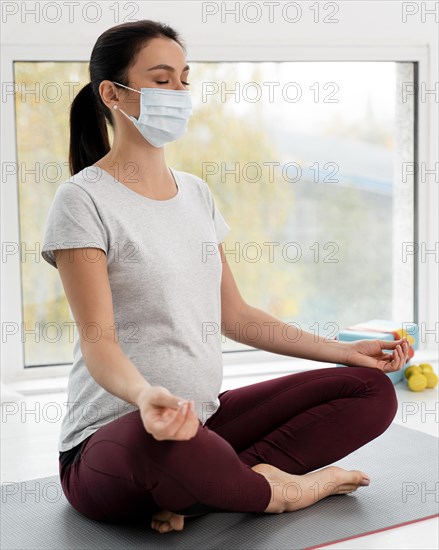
{"points": [[299, 423]]}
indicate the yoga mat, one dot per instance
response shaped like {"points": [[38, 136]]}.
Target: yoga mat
{"points": [[402, 464]]}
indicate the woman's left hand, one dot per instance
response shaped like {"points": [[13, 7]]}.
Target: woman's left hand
{"points": [[368, 353]]}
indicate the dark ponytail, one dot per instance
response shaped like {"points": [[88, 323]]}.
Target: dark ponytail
{"points": [[88, 131], [113, 54]]}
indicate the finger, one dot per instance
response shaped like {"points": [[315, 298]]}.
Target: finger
{"points": [[403, 353], [168, 413], [167, 401], [386, 357], [402, 349], [403, 356], [400, 357], [172, 427], [179, 421], [407, 348], [164, 417], [190, 426], [392, 364], [387, 344], [397, 357]]}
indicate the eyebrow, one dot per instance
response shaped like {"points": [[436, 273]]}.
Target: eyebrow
{"points": [[167, 68]]}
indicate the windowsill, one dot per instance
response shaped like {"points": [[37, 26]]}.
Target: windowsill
{"points": [[236, 365]]}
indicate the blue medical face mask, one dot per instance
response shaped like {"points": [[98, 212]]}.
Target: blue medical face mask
{"points": [[164, 114]]}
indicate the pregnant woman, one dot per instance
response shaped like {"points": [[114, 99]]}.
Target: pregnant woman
{"points": [[138, 248]]}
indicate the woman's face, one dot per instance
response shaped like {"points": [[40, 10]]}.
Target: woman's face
{"points": [[160, 64]]}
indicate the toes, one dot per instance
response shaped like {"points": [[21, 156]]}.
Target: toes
{"points": [[363, 475], [158, 526], [165, 521], [177, 522], [160, 522]]}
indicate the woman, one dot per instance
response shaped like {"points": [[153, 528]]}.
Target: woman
{"points": [[146, 432]]}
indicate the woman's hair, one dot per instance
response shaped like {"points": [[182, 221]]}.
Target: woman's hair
{"points": [[113, 54]]}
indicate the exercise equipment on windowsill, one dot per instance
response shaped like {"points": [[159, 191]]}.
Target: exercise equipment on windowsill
{"points": [[420, 377]]}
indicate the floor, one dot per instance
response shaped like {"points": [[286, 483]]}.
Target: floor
{"points": [[30, 428]]}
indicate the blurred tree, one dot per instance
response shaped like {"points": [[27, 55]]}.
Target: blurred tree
{"points": [[42, 122]]}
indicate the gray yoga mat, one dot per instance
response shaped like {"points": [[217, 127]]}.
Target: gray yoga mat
{"points": [[402, 464]]}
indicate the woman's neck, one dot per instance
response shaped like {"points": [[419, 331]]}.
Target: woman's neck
{"points": [[142, 167]]}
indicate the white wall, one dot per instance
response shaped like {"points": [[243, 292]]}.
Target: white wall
{"points": [[360, 22]]}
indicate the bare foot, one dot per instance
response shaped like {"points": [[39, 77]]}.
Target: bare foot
{"points": [[294, 492], [164, 521], [289, 492]]}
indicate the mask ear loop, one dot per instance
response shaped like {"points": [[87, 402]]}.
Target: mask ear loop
{"points": [[122, 111], [127, 87], [118, 108]]}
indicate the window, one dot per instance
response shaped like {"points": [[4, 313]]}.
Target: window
{"points": [[304, 161], [42, 156]]}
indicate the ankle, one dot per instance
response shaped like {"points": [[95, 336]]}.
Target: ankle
{"points": [[276, 504]]}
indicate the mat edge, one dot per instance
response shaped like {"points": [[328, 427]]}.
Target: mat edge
{"points": [[371, 532]]}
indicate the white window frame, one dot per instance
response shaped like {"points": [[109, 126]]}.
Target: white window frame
{"points": [[12, 354]]}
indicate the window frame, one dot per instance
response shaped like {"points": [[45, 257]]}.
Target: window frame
{"points": [[13, 369]]}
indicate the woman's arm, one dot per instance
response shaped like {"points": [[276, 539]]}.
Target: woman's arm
{"points": [[254, 327], [258, 329], [88, 292]]}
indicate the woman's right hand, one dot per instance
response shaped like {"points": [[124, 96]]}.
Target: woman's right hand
{"points": [[163, 418]]}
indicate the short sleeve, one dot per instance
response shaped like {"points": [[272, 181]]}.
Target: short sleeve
{"points": [[73, 221], [221, 226]]}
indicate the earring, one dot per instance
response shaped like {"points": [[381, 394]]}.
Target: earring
{"points": [[114, 106]]}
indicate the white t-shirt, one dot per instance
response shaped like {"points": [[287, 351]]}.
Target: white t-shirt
{"points": [[164, 269]]}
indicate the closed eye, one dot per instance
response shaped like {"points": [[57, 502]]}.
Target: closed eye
{"points": [[167, 82]]}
